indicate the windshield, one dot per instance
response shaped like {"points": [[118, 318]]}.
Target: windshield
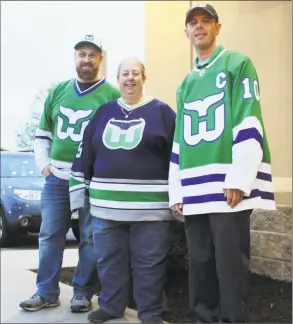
{"points": [[17, 166]]}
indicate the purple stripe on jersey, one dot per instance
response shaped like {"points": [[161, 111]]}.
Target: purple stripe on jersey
{"points": [[264, 176], [263, 194], [203, 179], [218, 177], [82, 93], [220, 197], [43, 137], [249, 133], [175, 158], [203, 199]]}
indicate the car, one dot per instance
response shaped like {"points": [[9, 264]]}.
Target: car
{"points": [[21, 187]]}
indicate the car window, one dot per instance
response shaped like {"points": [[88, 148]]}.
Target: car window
{"points": [[14, 166]]}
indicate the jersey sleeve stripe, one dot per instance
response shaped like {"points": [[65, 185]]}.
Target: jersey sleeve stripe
{"points": [[77, 174], [76, 187], [43, 138], [78, 179], [264, 176], [217, 188], [203, 179], [219, 178], [248, 123], [43, 134], [175, 158], [249, 133]]}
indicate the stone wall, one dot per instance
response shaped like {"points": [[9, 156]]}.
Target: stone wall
{"points": [[271, 243]]}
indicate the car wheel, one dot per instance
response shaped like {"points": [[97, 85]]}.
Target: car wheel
{"points": [[75, 231], [4, 231]]}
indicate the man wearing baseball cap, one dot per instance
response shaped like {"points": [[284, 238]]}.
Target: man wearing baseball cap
{"points": [[209, 9], [68, 109], [220, 169]]}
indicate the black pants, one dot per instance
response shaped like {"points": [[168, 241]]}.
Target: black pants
{"points": [[219, 255]]}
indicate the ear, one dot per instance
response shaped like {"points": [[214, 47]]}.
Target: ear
{"points": [[186, 33], [218, 28]]}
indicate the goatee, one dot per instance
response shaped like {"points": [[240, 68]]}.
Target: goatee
{"points": [[87, 74]]}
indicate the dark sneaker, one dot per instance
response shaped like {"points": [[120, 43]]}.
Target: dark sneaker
{"points": [[36, 303], [80, 304], [153, 319], [100, 316]]}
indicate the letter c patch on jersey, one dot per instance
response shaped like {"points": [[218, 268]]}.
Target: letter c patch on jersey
{"points": [[204, 120], [124, 134]]}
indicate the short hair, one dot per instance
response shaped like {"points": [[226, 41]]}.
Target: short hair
{"points": [[142, 67]]}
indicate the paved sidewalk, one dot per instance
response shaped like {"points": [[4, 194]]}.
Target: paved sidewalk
{"points": [[18, 283]]}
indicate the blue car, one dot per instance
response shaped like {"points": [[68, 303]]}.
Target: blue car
{"points": [[21, 188]]}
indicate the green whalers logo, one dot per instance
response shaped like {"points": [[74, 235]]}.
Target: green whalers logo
{"points": [[71, 123], [124, 134]]}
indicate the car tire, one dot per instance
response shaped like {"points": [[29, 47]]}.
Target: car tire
{"points": [[5, 236], [75, 231]]}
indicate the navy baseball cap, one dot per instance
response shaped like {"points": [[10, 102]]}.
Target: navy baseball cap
{"points": [[206, 7]]}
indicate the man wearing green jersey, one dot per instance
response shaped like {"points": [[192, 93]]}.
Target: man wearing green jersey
{"points": [[68, 109], [220, 169]]}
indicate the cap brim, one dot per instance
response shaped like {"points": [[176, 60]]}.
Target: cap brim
{"points": [[191, 11], [82, 43]]}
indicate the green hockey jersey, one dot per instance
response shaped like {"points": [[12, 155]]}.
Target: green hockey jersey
{"points": [[220, 141], [67, 112]]}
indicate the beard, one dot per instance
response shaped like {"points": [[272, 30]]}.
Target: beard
{"points": [[87, 72]]}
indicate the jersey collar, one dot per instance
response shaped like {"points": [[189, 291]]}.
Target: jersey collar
{"points": [[140, 104], [218, 52], [92, 88]]}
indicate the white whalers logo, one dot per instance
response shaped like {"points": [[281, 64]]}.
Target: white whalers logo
{"points": [[204, 120], [124, 134], [69, 125]]}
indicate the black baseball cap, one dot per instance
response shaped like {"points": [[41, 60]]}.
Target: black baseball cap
{"points": [[206, 7]]}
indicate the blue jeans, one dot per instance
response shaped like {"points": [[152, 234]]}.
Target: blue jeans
{"points": [[56, 217], [146, 245]]}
